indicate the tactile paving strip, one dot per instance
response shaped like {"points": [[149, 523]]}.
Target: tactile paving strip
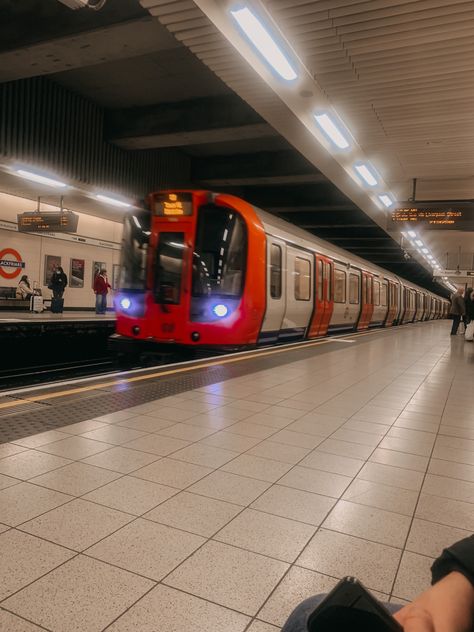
{"points": [[58, 412]]}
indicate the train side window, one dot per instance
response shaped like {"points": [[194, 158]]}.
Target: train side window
{"points": [[354, 287], [383, 295], [275, 271], [327, 276], [376, 292], [339, 286], [302, 279], [319, 280]]}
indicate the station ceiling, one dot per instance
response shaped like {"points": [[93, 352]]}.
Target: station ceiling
{"points": [[396, 71]]}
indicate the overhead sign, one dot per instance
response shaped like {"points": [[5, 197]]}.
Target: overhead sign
{"points": [[439, 216], [11, 263], [57, 221], [454, 273], [174, 204]]}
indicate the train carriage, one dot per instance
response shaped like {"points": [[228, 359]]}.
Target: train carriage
{"points": [[200, 269]]}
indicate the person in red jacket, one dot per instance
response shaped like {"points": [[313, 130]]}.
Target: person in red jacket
{"points": [[101, 289]]}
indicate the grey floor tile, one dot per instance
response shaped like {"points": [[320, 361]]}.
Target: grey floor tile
{"points": [[267, 534], [186, 432], [253, 430], [283, 411], [400, 459], [449, 488], [42, 438], [77, 525], [338, 555], [75, 447], [395, 499], [260, 626], [9, 449], [257, 467], [8, 481], [414, 575], [165, 608], [156, 444], [75, 479], [316, 481], [271, 421], [25, 501], [230, 441], [204, 455], [82, 426], [358, 437], [228, 576], [173, 473], [443, 452], [389, 475], [344, 448], [11, 623], [30, 463], [407, 446], [327, 462], [197, 514], [123, 460], [131, 495], [112, 418], [114, 434], [297, 585], [171, 413], [370, 523], [279, 452], [297, 439], [24, 559], [428, 538], [146, 424], [101, 593], [230, 487], [453, 513], [365, 426], [147, 548], [294, 504], [453, 470]]}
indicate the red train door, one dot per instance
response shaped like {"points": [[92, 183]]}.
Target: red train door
{"points": [[323, 297], [367, 301], [392, 304]]}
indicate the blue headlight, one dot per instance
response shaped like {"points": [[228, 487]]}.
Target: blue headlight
{"points": [[125, 303], [220, 310]]}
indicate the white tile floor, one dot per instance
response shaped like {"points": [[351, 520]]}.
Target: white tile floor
{"points": [[221, 508]]}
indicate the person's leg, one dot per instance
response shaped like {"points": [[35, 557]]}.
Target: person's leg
{"points": [[97, 303], [298, 619], [104, 304], [456, 321]]}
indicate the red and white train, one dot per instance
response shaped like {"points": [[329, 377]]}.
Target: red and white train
{"points": [[201, 269]]}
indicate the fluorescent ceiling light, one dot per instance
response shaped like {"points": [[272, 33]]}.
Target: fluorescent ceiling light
{"points": [[412, 234], [331, 130], [418, 242], [425, 251], [261, 39], [36, 177], [113, 201], [367, 173], [430, 257], [386, 200]]}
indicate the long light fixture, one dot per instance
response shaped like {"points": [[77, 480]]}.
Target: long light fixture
{"points": [[412, 234], [366, 172], [263, 41], [113, 201], [331, 130], [425, 251], [36, 177], [418, 242], [386, 200]]}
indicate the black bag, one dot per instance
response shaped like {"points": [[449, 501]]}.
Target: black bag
{"points": [[57, 305]]}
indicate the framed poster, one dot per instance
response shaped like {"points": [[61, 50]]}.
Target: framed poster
{"points": [[51, 262], [115, 276], [97, 266], [76, 273]]}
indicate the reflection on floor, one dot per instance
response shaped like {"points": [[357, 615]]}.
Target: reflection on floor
{"points": [[220, 509]]}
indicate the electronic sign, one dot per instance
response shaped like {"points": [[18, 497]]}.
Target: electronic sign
{"points": [[173, 204], [53, 222], [439, 216]]}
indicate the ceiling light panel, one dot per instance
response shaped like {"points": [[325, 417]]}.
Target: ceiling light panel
{"points": [[332, 130], [366, 173], [37, 177]]}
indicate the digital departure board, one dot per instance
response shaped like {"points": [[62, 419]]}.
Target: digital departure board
{"points": [[440, 216], [173, 204], [53, 222]]}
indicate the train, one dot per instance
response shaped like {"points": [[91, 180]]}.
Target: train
{"points": [[210, 270]]}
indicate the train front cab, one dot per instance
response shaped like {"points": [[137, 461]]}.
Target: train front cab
{"points": [[193, 273]]}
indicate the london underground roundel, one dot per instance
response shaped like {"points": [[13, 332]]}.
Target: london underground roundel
{"points": [[11, 263]]}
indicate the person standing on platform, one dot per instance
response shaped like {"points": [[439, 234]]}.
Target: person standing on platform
{"points": [[101, 289], [58, 284], [469, 305], [458, 309]]}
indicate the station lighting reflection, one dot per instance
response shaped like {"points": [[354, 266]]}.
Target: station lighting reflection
{"points": [[262, 40], [367, 173], [412, 234], [385, 199], [331, 130], [37, 177], [114, 201]]}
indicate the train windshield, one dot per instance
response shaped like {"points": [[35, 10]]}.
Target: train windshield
{"points": [[136, 235], [169, 266], [220, 253]]}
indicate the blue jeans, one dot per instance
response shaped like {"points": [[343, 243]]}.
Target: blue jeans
{"points": [[100, 303], [298, 619]]}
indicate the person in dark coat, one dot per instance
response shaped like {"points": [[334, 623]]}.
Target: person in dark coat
{"points": [[447, 606], [58, 282], [458, 309], [469, 305], [101, 289]]}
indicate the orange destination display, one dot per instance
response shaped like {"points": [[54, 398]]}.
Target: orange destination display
{"points": [[174, 204], [441, 216], [53, 222]]}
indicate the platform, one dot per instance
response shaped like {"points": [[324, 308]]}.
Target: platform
{"points": [[49, 317], [225, 491]]}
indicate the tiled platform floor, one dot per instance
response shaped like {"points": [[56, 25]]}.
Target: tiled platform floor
{"points": [[218, 510]]}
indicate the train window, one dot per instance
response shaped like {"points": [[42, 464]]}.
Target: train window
{"points": [[328, 277], [220, 253], [383, 295], [339, 286], [376, 292], [275, 271], [133, 257], [320, 280], [169, 266], [302, 279], [354, 286], [368, 289]]}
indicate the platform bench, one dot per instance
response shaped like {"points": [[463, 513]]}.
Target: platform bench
{"points": [[9, 301]]}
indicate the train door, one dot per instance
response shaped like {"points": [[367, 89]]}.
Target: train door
{"points": [[323, 296], [299, 294], [367, 305], [276, 290]]}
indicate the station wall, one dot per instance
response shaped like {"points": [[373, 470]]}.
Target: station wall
{"points": [[96, 240]]}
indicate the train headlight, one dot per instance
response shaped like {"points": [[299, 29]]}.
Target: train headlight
{"points": [[125, 303], [220, 310]]}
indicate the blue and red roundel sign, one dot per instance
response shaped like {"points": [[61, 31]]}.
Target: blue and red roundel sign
{"points": [[11, 263]]}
